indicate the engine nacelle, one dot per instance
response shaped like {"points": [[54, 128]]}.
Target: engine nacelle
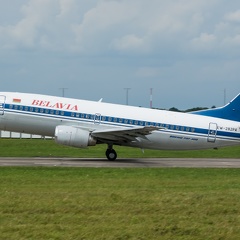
{"points": [[74, 137]]}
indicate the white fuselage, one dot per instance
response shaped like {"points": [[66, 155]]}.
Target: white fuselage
{"points": [[41, 114]]}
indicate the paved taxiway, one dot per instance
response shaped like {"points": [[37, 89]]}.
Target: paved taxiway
{"points": [[123, 163]]}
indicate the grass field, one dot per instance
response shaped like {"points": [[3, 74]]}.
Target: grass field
{"points": [[48, 148], [75, 203], [115, 203]]}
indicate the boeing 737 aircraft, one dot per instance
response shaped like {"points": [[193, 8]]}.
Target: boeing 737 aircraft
{"points": [[80, 123]]}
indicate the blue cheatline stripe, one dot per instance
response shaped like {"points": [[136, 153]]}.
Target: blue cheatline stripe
{"points": [[109, 120]]}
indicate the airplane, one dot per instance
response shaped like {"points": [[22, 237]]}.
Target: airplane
{"points": [[81, 123]]}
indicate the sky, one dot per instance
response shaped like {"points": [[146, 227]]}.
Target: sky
{"points": [[187, 52]]}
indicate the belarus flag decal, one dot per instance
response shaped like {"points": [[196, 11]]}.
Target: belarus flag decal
{"points": [[16, 100]]}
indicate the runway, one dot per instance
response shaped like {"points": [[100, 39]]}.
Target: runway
{"points": [[123, 163]]}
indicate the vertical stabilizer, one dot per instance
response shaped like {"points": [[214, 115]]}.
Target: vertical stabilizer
{"points": [[231, 111]]}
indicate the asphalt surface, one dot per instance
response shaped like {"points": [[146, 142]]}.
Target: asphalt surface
{"points": [[123, 163]]}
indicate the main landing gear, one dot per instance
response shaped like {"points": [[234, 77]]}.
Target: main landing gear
{"points": [[111, 153]]}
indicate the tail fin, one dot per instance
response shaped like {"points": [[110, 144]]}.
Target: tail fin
{"points": [[231, 111]]}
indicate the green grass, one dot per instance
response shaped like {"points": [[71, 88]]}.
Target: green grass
{"points": [[48, 148], [91, 203], [83, 203]]}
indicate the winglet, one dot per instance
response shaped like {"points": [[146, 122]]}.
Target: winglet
{"points": [[231, 111]]}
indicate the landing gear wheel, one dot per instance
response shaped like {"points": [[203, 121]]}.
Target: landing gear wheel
{"points": [[111, 154]]}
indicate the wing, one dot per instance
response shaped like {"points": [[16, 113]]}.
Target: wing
{"points": [[123, 135]]}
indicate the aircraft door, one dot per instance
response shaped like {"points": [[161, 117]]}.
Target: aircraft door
{"points": [[2, 104], [212, 132], [97, 118]]}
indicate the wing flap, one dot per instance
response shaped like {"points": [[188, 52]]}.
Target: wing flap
{"points": [[123, 134]]}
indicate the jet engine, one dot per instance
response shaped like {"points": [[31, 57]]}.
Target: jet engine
{"points": [[74, 137]]}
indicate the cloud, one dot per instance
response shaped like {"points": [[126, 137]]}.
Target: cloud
{"points": [[103, 23], [204, 42], [124, 26], [148, 72], [120, 27], [45, 24], [233, 16], [129, 42], [28, 30]]}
